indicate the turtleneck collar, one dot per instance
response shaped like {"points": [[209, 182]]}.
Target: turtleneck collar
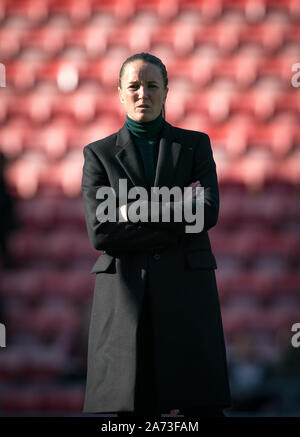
{"points": [[145, 129]]}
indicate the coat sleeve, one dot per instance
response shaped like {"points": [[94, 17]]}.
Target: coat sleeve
{"points": [[204, 170], [114, 236]]}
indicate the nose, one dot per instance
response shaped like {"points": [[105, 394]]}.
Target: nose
{"points": [[142, 92]]}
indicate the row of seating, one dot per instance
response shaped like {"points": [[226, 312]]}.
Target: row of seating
{"points": [[244, 307], [72, 285], [35, 285], [257, 105], [31, 175], [244, 69], [258, 322], [62, 141], [83, 11], [64, 241], [238, 210], [44, 320], [230, 71], [234, 259], [184, 38], [33, 398]]}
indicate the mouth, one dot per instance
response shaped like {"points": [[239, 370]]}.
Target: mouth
{"points": [[143, 107]]}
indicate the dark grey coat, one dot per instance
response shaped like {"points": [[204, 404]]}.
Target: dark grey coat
{"points": [[190, 353]]}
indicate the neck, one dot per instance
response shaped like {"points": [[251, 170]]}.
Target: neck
{"points": [[145, 129]]}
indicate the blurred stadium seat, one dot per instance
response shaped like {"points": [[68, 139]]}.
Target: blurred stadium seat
{"points": [[232, 71]]}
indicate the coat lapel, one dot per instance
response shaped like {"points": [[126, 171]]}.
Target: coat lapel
{"points": [[167, 161]]}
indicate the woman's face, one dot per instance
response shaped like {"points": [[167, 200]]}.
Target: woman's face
{"points": [[142, 84]]}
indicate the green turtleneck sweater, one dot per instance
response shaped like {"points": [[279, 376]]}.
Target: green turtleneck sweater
{"points": [[146, 136]]}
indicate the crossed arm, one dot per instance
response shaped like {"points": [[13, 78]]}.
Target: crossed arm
{"points": [[204, 174], [117, 236], [124, 236]]}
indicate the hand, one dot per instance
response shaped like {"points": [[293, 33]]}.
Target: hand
{"points": [[187, 195], [123, 213]]}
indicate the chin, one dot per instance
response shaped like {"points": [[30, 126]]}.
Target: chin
{"points": [[144, 117]]}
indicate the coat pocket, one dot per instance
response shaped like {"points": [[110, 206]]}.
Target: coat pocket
{"points": [[103, 263], [200, 259]]}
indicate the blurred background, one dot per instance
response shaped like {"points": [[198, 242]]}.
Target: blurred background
{"points": [[231, 75]]}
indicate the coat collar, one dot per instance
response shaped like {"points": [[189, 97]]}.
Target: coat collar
{"points": [[168, 156]]}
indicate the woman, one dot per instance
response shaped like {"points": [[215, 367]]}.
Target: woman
{"points": [[156, 338]]}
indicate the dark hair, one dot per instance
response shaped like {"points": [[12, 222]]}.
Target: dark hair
{"points": [[151, 59]]}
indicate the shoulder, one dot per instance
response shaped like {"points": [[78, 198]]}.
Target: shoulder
{"points": [[189, 133], [103, 144], [192, 138]]}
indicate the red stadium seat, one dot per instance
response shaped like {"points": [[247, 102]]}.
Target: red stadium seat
{"points": [[55, 138], [277, 67], [289, 102], [37, 106], [243, 68], [29, 9], [91, 38], [200, 66], [53, 283], [122, 9], [13, 137], [69, 212], [109, 107], [230, 75], [288, 284], [292, 33], [292, 211], [76, 11], [69, 174], [10, 43], [192, 120], [21, 75], [26, 246], [12, 365], [236, 133], [3, 9], [283, 131], [268, 34], [164, 10], [109, 72], [100, 128], [289, 169], [21, 401], [224, 35], [253, 168], [78, 285], [6, 98], [164, 36], [48, 37], [64, 399], [37, 213], [255, 322], [210, 10], [80, 107], [70, 284], [61, 246], [22, 284], [229, 212]]}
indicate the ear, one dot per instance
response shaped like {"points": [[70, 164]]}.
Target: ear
{"points": [[120, 95], [167, 89]]}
